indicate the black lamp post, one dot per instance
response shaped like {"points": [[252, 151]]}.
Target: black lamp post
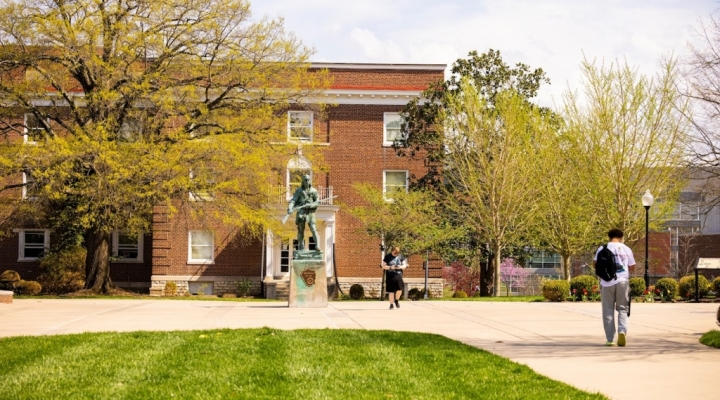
{"points": [[647, 201]]}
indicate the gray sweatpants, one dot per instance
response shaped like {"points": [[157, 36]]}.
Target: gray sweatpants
{"points": [[614, 298]]}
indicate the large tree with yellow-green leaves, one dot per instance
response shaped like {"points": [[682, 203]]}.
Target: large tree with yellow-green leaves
{"points": [[132, 104]]}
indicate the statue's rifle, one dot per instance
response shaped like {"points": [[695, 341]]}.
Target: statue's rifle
{"points": [[308, 205]]}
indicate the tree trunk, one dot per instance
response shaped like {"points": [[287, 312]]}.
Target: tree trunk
{"points": [[97, 262], [486, 275], [496, 272], [566, 267]]}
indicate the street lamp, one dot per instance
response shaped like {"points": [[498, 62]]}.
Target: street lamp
{"points": [[647, 201]]}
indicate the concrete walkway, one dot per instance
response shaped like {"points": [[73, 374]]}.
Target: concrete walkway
{"points": [[564, 341]]}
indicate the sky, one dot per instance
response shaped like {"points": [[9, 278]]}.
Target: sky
{"points": [[554, 35]]}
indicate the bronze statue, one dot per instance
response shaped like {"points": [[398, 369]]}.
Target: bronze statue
{"points": [[305, 201]]}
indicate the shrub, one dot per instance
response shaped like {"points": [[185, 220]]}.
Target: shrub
{"points": [[243, 287], [460, 294], [31, 288], [63, 271], [716, 286], [357, 291], [583, 285], [686, 286], [637, 287], [460, 277], [10, 276], [170, 288], [718, 317], [415, 294], [556, 290], [668, 288]]}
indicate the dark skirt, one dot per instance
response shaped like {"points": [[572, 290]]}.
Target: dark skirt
{"points": [[394, 282]]}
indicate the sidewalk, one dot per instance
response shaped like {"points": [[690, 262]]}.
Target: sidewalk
{"points": [[563, 341]]}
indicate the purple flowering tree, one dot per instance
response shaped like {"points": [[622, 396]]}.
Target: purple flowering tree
{"points": [[512, 275]]}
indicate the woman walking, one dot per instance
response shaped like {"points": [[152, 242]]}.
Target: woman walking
{"points": [[394, 264]]}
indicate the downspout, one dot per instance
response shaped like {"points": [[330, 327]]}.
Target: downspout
{"points": [[337, 284]]}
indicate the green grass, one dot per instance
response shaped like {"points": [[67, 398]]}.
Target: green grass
{"points": [[711, 339], [526, 299], [264, 364]]}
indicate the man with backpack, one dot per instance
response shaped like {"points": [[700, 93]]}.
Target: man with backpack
{"points": [[612, 264]]}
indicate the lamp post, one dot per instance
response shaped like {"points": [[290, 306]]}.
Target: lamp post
{"points": [[647, 201]]}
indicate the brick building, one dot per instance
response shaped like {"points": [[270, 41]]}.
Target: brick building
{"points": [[355, 133]]}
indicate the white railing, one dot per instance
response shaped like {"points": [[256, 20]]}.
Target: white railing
{"points": [[281, 195]]}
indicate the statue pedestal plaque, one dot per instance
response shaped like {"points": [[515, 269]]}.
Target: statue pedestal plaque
{"points": [[308, 281]]}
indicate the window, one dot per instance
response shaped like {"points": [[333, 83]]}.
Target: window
{"points": [[391, 128], [127, 248], [202, 180], [33, 244], [394, 181], [29, 189], [34, 130], [300, 125], [296, 168], [130, 129], [201, 247]]}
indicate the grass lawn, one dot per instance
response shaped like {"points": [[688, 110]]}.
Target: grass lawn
{"points": [[711, 339], [264, 364], [526, 299]]}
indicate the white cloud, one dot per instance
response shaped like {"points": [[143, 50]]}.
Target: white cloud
{"points": [[375, 49], [552, 34]]}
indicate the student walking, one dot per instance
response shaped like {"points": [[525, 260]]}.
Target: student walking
{"points": [[394, 264], [612, 264]]}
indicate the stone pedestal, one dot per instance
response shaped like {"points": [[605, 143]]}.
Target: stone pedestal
{"points": [[270, 288], [308, 281], [6, 297]]}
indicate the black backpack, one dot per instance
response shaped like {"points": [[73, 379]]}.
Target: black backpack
{"points": [[606, 264]]}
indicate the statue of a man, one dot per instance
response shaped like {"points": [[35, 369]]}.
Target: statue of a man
{"points": [[305, 200]]}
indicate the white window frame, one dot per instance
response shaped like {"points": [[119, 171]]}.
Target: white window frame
{"points": [[311, 127], [200, 196], [386, 142], [212, 245], [21, 243], [116, 248], [407, 176], [26, 136], [25, 189]]}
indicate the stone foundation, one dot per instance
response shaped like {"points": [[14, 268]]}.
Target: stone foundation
{"points": [[6, 297], [372, 286], [221, 284]]}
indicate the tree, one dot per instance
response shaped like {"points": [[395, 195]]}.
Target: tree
{"points": [[567, 222], [408, 219], [489, 75], [133, 104], [632, 137], [488, 165], [701, 70]]}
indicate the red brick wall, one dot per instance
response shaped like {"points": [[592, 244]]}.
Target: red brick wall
{"points": [[356, 154], [658, 254], [234, 255], [383, 79], [28, 270]]}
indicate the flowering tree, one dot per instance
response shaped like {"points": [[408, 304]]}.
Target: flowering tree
{"points": [[461, 277], [513, 276]]}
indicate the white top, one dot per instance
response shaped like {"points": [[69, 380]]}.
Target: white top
{"points": [[624, 256]]}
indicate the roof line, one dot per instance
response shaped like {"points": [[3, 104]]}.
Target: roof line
{"points": [[337, 65]]}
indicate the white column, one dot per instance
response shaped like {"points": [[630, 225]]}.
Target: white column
{"points": [[329, 240], [269, 255]]}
